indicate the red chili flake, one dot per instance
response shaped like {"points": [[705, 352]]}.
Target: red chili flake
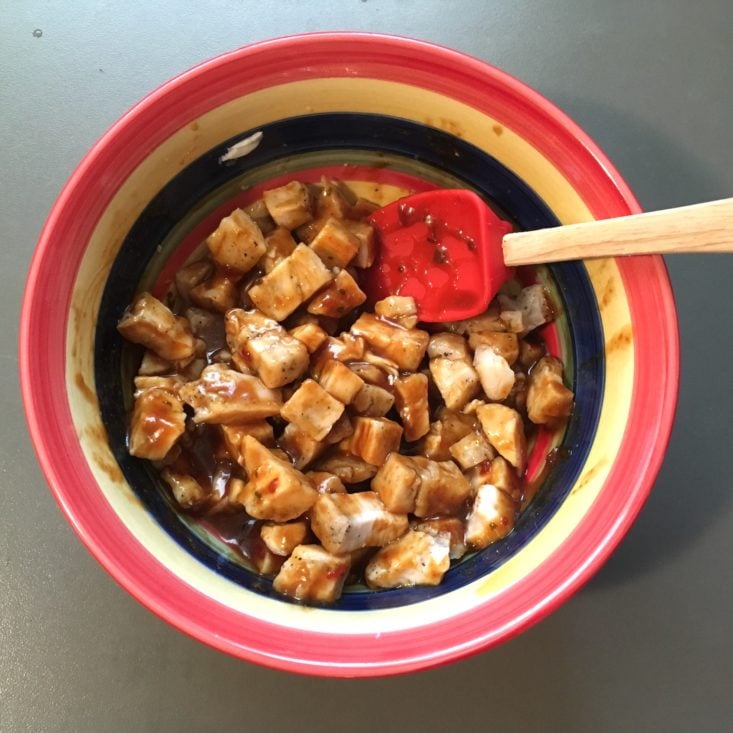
{"points": [[272, 486]]}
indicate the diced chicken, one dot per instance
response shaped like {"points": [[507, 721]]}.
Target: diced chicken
{"points": [[237, 243], [502, 475], [512, 320], [497, 377], [312, 574], [448, 429], [218, 293], [264, 561], [471, 450], [188, 493], [518, 396], [152, 324], [153, 365], [533, 305], [342, 429], [335, 244], [258, 212], [279, 244], [171, 383], [504, 429], [456, 380], [264, 345], [389, 367], [275, 490], [367, 252], [338, 298], [411, 399], [375, 438], [397, 482], [208, 327], [191, 275], [234, 435], [301, 448], [346, 348], [349, 468], [417, 558], [401, 309], [311, 335], [373, 401], [530, 352], [282, 539], [448, 346], [158, 420], [289, 205], [333, 200], [326, 483], [417, 485], [452, 526], [549, 401], [339, 381], [370, 373], [504, 344], [489, 321], [405, 346], [346, 522], [491, 517], [223, 395], [290, 283], [312, 409]]}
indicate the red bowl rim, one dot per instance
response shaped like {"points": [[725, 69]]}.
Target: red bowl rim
{"points": [[566, 582]]}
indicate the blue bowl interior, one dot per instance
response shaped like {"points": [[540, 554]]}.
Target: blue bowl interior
{"points": [[288, 146]]}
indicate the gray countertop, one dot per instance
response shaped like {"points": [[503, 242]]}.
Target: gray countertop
{"points": [[647, 644]]}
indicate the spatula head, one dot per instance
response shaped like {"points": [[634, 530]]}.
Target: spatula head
{"points": [[443, 248]]}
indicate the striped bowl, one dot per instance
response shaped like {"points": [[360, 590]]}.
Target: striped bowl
{"points": [[390, 116]]}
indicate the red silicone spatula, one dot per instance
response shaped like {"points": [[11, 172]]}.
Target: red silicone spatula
{"points": [[451, 252]]}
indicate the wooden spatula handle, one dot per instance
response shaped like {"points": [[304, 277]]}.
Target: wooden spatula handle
{"points": [[704, 227]]}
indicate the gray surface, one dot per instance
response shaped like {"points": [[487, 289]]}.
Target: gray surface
{"points": [[647, 645]]}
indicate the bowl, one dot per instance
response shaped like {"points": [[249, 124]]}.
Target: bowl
{"points": [[390, 115]]}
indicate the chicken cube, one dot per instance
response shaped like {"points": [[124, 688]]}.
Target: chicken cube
{"points": [[338, 298], [497, 377], [532, 304], [347, 522], [218, 293], [326, 483], [488, 321], [275, 490], [405, 346], [375, 438], [311, 335], [312, 409], [335, 244], [170, 383], [448, 429], [299, 446], [339, 381], [234, 435], [312, 574], [152, 365], [504, 344], [258, 212], [530, 352], [258, 554], [237, 243], [401, 309], [549, 401], [456, 380], [367, 252], [264, 345], [417, 558], [158, 420], [191, 275], [153, 325], [282, 539], [333, 200], [342, 429], [492, 517], [348, 468], [471, 450], [373, 401], [279, 244], [448, 346], [223, 395], [442, 490], [396, 483], [504, 429], [453, 527], [188, 493], [290, 283], [502, 475], [370, 373], [411, 400], [289, 205]]}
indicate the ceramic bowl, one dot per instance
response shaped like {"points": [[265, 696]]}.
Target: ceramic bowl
{"points": [[390, 116]]}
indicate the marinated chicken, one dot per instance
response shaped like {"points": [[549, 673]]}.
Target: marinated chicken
{"points": [[340, 438]]}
